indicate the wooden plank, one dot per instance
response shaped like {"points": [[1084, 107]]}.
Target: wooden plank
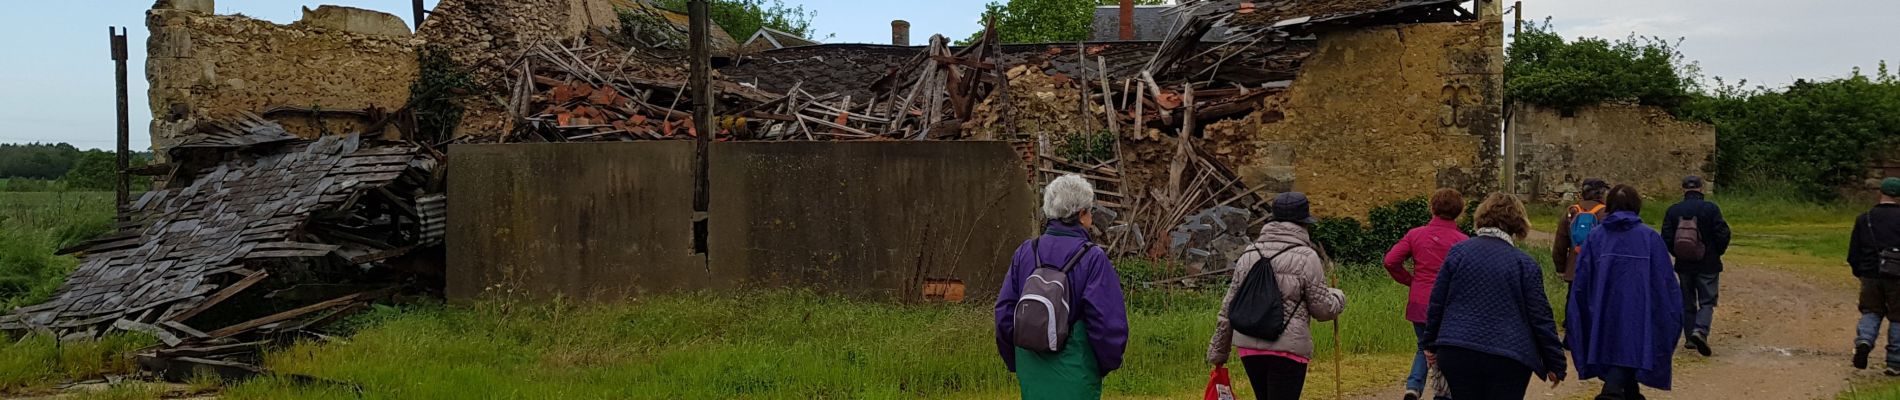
{"points": [[134, 326], [222, 295], [286, 254], [297, 312], [295, 246], [211, 351], [184, 329]]}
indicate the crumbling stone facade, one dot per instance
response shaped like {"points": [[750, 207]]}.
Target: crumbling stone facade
{"points": [[1382, 114], [203, 67], [1621, 143], [1376, 115]]}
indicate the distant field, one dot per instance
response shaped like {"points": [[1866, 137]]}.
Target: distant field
{"points": [[35, 224]]}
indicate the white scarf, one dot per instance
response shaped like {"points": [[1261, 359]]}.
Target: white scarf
{"points": [[1497, 233]]}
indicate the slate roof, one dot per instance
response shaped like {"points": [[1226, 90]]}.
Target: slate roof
{"points": [[240, 214], [768, 39], [1152, 23]]}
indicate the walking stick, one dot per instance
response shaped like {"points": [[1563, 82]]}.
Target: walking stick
{"points": [[1332, 274]]}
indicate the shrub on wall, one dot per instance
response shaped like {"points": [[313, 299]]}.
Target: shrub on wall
{"points": [[1544, 69]]}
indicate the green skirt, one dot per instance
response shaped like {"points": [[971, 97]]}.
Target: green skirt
{"points": [[1069, 374]]}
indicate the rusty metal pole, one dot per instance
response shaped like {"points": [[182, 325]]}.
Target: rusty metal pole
{"points": [[416, 7], [701, 81], [125, 121]]}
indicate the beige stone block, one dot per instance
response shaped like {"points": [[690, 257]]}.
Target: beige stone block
{"points": [[356, 20], [201, 6]]}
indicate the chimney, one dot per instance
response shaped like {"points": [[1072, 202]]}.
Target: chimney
{"points": [[900, 33], [1128, 20]]}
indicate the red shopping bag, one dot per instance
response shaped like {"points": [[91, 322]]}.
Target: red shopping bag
{"points": [[1218, 385]]}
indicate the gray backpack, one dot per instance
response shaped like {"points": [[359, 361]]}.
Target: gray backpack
{"points": [[1042, 313]]}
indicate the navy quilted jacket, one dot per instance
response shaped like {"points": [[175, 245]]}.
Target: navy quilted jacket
{"points": [[1490, 298]]}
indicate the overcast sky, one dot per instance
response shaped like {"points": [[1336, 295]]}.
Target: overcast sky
{"points": [[56, 82]]}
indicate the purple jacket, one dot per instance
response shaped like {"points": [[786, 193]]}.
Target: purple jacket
{"points": [[1097, 297], [1625, 306]]}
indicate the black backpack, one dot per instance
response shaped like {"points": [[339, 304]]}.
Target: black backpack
{"points": [[1259, 309], [1042, 313]]}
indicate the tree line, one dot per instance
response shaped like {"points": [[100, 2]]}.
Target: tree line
{"points": [[1812, 136], [73, 168]]}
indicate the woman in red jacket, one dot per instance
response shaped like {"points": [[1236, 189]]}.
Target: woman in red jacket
{"points": [[1426, 246]]}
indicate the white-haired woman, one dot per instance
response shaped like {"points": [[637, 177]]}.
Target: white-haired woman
{"points": [[1099, 331]]}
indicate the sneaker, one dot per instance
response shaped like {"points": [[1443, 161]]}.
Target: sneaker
{"points": [[1689, 345], [1893, 371], [1411, 394], [1860, 354], [1701, 343]]}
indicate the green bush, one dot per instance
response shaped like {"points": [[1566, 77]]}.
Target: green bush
{"points": [[1542, 68], [1814, 136], [1087, 148], [1349, 241]]}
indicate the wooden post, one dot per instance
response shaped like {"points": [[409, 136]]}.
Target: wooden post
{"points": [[125, 122], [701, 82], [1517, 9]]}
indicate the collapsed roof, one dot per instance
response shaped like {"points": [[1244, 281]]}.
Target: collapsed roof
{"points": [[264, 228]]}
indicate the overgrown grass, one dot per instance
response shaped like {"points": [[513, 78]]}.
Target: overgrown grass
{"points": [[1871, 389], [785, 344], [37, 362], [35, 225]]}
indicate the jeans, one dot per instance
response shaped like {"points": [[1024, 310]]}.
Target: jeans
{"points": [[1870, 326], [1877, 301], [1275, 378], [1421, 371], [1619, 383], [1479, 376], [1699, 291]]}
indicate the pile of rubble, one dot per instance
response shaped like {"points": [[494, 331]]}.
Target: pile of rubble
{"points": [[578, 93], [256, 235]]}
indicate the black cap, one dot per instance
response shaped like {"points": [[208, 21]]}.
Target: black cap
{"points": [[1595, 183], [1293, 207], [1692, 182]]}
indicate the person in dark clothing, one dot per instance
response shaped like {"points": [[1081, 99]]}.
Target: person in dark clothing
{"points": [[1563, 250], [1700, 278], [1489, 326], [1876, 231]]}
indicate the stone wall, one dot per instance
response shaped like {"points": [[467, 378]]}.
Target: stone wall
{"points": [[1376, 115], [204, 66], [1620, 143]]}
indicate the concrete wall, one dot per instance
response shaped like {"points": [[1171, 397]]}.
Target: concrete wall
{"points": [[1620, 143], [875, 219], [594, 221], [204, 66], [606, 221]]}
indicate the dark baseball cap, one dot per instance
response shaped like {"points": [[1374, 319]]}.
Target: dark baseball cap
{"points": [[1692, 182], [1293, 207]]}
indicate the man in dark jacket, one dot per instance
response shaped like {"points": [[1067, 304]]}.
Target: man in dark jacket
{"points": [[1700, 277], [1874, 231]]}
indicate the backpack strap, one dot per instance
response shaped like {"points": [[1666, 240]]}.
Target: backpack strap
{"points": [[1073, 259]]}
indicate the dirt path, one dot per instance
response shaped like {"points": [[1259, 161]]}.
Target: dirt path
{"points": [[1781, 332]]}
